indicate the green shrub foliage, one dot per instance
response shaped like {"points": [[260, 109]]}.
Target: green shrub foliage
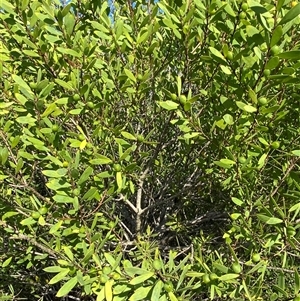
{"points": [[150, 151]]}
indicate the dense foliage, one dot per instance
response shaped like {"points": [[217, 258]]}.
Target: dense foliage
{"points": [[150, 151]]}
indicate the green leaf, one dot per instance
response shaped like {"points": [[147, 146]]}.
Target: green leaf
{"points": [[295, 207], [131, 271], [75, 111], [272, 63], [51, 38], [60, 276], [246, 107], [175, 19], [67, 287], [120, 288], [168, 105], [172, 296], [63, 84], [89, 195], [282, 280], [237, 201], [227, 161], [228, 119], [144, 36], [179, 85], [280, 290], [235, 216], [263, 141], [54, 269], [102, 35], [55, 227], [252, 95], [222, 164], [191, 135], [182, 263], [217, 54], [220, 267], [65, 10], [290, 55], [101, 295], [83, 144], [99, 26], [141, 293], [261, 161], [28, 221], [100, 160], [22, 99], [41, 221], [26, 120], [4, 105], [84, 177], [57, 184], [229, 10], [89, 253], [108, 290], [169, 23], [128, 135], [7, 7], [6, 263], [269, 220], [3, 155], [246, 290], [156, 292], [119, 180], [125, 155], [296, 152], [31, 53], [59, 198], [59, 173], [9, 214], [251, 30], [182, 276], [21, 82], [130, 75], [297, 282], [279, 4], [277, 34], [227, 277], [226, 70], [111, 260], [195, 274], [68, 252], [292, 14], [68, 51], [163, 8], [141, 278], [34, 141], [257, 7], [50, 109]]}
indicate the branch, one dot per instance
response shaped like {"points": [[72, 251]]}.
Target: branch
{"points": [[138, 207], [35, 243], [122, 197]]}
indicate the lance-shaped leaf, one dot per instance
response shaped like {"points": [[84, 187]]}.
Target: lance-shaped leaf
{"points": [[276, 36], [292, 14], [67, 287]]}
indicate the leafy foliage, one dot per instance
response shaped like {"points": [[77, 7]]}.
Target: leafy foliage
{"points": [[150, 151]]}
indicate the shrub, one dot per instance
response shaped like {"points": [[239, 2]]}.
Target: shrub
{"points": [[146, 153]]}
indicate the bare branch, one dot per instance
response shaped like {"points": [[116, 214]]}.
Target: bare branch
{"points": [[122, 197], [139, 201]]}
